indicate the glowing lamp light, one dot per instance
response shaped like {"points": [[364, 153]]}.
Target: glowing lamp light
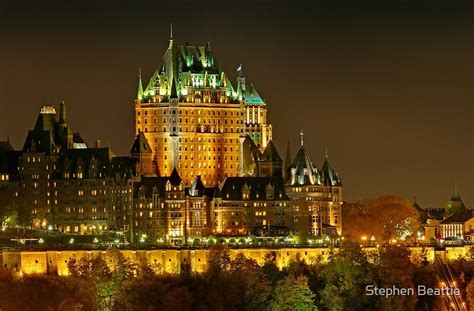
{"points": [[41, 241], [372, 238], [117, 241], [363, 238], [96, 240], [50, 227], [71, 241]]}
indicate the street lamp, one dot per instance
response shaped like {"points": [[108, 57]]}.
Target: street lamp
{"points": [[71, 241]]}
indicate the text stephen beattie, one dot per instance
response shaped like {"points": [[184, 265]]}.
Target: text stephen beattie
{"points": [[420, 290]]}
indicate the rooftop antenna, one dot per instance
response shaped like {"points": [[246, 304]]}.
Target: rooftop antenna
{"points": [[302, 138]]}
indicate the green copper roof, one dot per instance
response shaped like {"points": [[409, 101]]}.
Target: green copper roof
{"points": [[193, 66], [140, 88], [251, 95], [185, 66]]}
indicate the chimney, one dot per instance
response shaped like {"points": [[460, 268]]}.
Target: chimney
{"points": [[62, 112], [98, 143]]}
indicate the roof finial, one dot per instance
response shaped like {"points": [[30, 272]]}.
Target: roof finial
{"points": [[302, 138], [326, 152], [140, 72], [171, 30]]}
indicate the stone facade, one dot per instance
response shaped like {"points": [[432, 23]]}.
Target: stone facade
{"points": [[202, 164], [173, 260]]}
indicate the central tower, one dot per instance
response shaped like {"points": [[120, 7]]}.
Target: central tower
{"points": [[194, 119]]}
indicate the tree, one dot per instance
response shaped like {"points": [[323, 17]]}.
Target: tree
{"points": [[426, 275], [292, 293], [385, 218], [219, 259], [395, 268], [470, 294], [345, 278]]}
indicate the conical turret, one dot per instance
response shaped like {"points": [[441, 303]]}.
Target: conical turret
{"points": [[140, 86]]}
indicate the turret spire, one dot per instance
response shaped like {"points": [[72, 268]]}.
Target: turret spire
{"points": [[140, 86], [171, 36]]}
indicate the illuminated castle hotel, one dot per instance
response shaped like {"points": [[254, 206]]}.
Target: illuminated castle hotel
{"points": [[194, 118], [202, 164]]}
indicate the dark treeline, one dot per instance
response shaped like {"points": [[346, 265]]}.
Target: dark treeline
{"points": [[111, 283]]}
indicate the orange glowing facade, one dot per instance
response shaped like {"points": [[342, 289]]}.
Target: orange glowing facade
{"points": [[195, 120]]}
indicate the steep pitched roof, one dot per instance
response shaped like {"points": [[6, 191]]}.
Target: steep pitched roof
{"points": [[233, 188], [302, 171], [459, 217], [174, 178], [149, 185], [5, 146], [72, 160], [140, 145], [329, 175], [271, 153], [197, 188], [251, 95]]}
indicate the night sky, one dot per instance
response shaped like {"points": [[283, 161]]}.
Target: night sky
{"points": [[386, 86]]}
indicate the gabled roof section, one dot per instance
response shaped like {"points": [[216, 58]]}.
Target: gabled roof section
{"points": [[302, 171], [251, 96], [74, 160], [459, 217], [233, 188], [174, 178], [271, 153], [329, 175], [197, 188], [250, 149], [140, 145]]}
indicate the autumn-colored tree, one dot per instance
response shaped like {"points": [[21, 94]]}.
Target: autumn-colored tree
{"points": [[385, 218], [470, 294], [218, 259]]}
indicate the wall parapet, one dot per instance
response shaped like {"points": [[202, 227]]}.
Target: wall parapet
{"points": [[172, 260]]}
